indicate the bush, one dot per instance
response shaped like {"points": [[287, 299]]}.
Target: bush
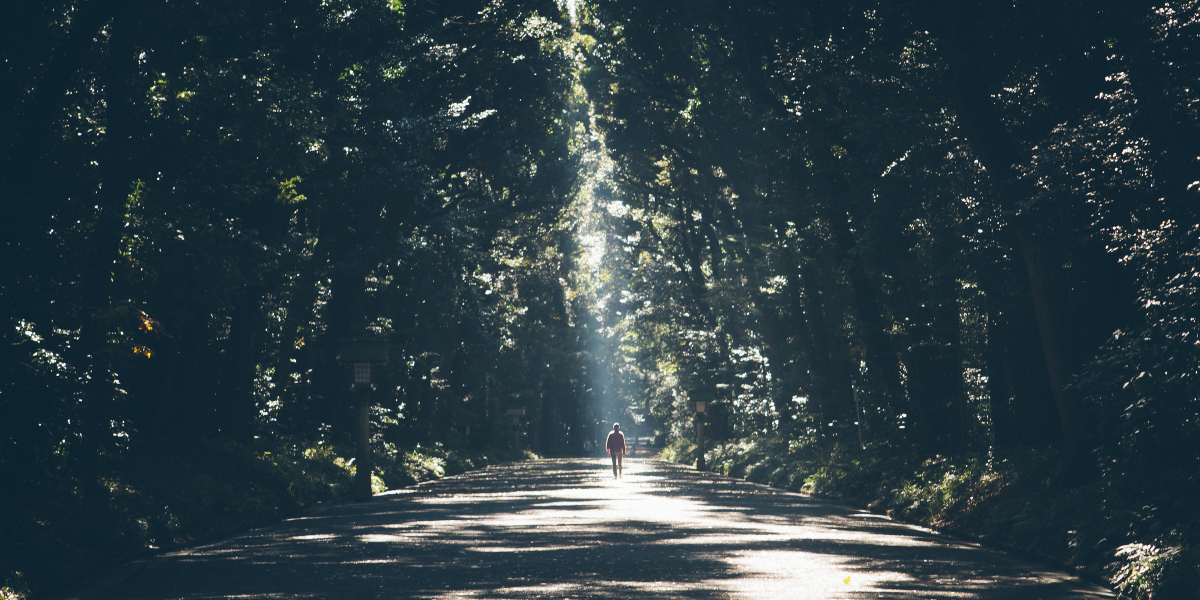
{"points": [[681, 451], [1014, 502], [1147, 572], [167, 495]]}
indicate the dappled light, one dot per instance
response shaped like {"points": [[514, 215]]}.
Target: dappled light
{"points": [[939, 259], [567, 529]]}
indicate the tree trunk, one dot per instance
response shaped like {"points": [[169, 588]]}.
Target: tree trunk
{"points": [[344, 318], [300, 305], [803, 340], [238, 405], [997, 151], [831, 351], [999, 381], [879, 349], [176, 411], [100, 262]]}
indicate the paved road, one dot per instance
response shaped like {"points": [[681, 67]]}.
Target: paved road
{"points": [[567, 529]]}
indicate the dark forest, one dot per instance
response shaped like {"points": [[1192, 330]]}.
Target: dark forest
{"points": [[938, 258]]}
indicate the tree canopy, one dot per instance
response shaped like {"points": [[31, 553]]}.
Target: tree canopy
{"points": [[940, 228]]}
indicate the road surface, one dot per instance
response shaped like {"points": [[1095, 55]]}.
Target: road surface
{"points": [[566, 529]]}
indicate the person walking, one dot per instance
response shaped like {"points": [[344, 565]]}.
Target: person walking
{"points": [[616, 448]]}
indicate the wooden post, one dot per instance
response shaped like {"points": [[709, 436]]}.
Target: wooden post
{"points": [[363, 355], [363, 463]]}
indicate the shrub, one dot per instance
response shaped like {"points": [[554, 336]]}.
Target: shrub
{"points": [[1147, 572]]}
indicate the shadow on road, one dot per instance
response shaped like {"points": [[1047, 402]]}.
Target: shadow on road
{"points": [[567, 529]]}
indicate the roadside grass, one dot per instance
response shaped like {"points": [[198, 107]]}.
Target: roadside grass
{"points": [[156, 498], [1015, 501]]}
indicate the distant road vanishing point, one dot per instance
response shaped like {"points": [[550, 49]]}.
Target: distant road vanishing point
{"points": [[564, 528]]}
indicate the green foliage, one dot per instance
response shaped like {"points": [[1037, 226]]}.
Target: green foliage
{"points": [[1145, 572], [160, 496], [1138, 571], [167, 496], [210, 196], [857, 223], [403, 467], [681, 451], [916, 229], [1013, 502]]}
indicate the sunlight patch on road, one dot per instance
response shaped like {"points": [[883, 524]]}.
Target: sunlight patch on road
{"points": [[775, 573], [523, 549], [260, 597], [419, 529], [609, 589], [471, 498], [378, 538], [562, 590]]}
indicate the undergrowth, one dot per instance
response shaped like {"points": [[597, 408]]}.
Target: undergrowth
{"points": [[1015, 501], [159, 497]]}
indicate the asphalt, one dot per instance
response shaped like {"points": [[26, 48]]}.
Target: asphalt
{"points": [[565, 528]]}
